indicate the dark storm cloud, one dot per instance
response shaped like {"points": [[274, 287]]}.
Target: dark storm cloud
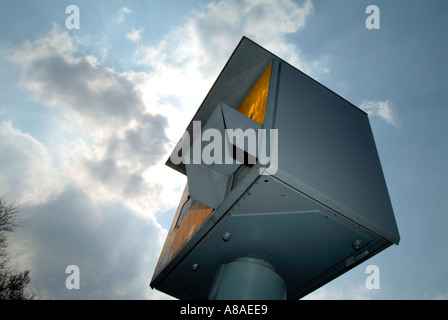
{"points": [[85, 91], [122, 179], [146, 141], [129, 154], [111, 246]]}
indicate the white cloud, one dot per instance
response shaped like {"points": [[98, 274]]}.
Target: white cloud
{"points": [[186, 62], [134, 35], [214, 31], [440, 296], [92, 95], [204, 43], [382, 109], [122, 12], [27, 169], [108, 106]]}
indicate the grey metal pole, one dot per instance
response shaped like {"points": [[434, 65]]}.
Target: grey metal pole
{"points": [[247, 279]]}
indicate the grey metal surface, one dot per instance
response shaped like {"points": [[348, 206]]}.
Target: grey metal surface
{"points": [[247, 279], [209, 182], [304, 246], [327, 150]]}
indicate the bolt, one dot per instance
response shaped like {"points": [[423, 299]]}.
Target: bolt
{"points": [[195, 267], [226, 236], [357, 244]]}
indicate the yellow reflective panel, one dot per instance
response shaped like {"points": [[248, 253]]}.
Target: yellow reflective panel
{"points": [[181, 231], [254, 106]]}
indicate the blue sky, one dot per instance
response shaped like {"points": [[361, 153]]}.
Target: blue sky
{"points": [[88, 117]]}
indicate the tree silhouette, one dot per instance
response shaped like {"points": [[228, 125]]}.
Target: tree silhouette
{"points": [[13, 284]]}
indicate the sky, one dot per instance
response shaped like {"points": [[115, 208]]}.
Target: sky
{"points": [[89, 115]]}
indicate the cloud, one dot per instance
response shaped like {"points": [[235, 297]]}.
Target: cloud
{"points": [[97, 208], [27, 170], [114, 250], [216, 30], [441, 296], [134, 35], [62, 224], [108, 106], [89, 94], [184, 65], [122, 12], [381, 109], [209, 36]]}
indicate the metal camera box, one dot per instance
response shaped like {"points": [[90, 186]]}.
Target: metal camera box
{"points": [[280, 170]]}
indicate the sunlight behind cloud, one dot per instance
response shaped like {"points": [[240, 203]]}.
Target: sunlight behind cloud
{"points": [[107, 106], [184, 65]]}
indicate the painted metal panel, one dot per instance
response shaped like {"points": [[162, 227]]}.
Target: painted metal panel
{"points": [[182, 229], [327, 150]]}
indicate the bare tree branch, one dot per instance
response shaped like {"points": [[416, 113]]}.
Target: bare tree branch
{"points": [[8, 216], [13, 285]]}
